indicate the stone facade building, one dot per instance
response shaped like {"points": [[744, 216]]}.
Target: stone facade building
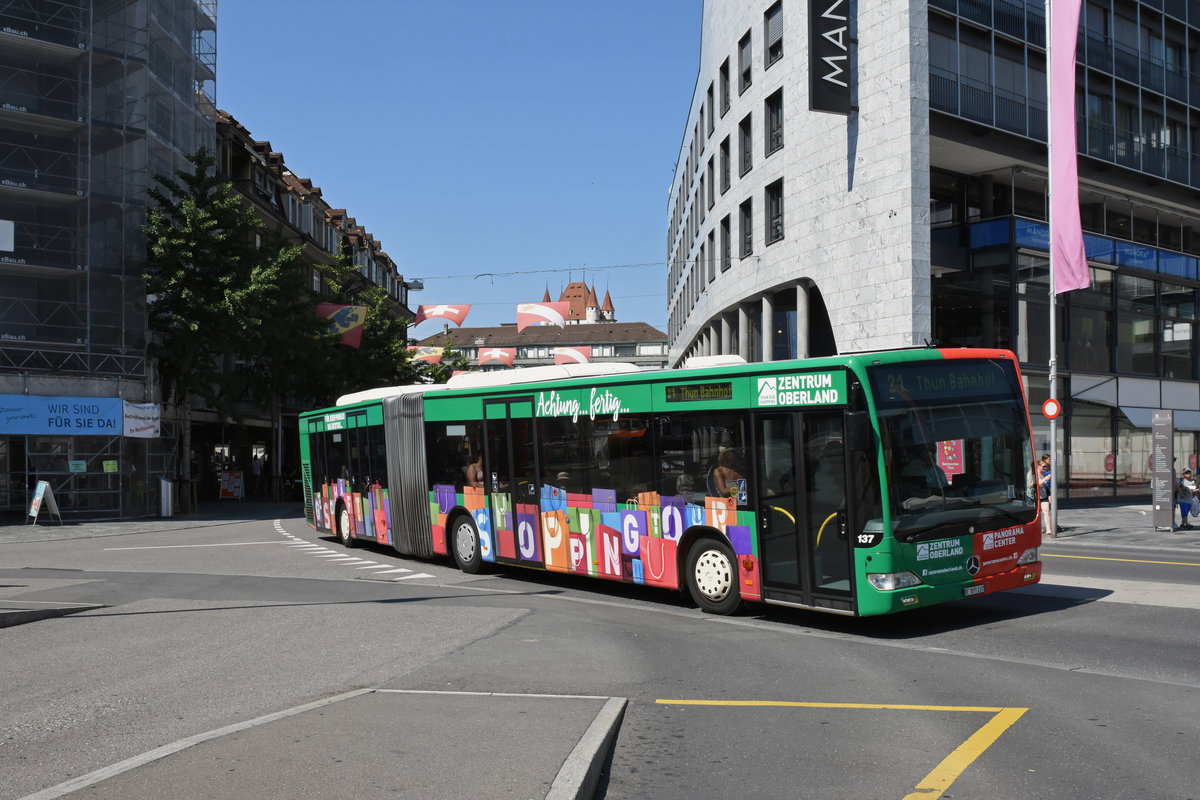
{"points": [[917, 211]]}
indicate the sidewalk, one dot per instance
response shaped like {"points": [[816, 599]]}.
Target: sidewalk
{"points": [[212, 512]]}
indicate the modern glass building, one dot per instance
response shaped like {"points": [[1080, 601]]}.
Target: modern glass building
{"points": [[871, 176], [96, 97]]}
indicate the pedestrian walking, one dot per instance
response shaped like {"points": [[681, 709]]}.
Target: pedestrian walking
{"points": [[1044, 492], [1185, 496]]}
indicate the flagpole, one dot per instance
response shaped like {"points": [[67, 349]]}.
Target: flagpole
{"points": [[1053, 446]]}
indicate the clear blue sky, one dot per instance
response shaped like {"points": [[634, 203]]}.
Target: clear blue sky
{"points": [[535, 137]]}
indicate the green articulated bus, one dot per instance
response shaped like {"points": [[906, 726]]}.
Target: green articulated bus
{"points": [[858, 484]]}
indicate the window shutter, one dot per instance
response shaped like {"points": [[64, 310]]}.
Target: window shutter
{"points": [[774, 26]]}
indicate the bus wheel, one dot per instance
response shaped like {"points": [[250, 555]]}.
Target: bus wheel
{"points": [[712, 576], [343, 526], [465, 540]]}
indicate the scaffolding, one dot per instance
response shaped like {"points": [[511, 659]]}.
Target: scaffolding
{"points": [[96, 97]]}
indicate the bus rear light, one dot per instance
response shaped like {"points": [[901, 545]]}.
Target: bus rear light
{"points": [[890, 581], [1030, 556]]}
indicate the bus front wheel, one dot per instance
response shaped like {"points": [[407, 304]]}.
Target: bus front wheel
{"points": [[343, 526], [712, 576], [465, 539]]}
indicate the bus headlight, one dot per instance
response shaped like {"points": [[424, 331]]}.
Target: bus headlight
{"points": [[1028, 557], [890, 581]]}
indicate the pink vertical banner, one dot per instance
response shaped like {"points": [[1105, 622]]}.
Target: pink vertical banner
{"points": [[1068, 258]]}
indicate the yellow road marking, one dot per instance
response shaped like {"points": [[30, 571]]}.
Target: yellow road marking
{"points": [[1126, 560], [798, 704], [938, 781], [933, 785]]}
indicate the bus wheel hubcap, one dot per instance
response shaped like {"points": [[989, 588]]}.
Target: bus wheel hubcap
{"points": [[465, 542], [714, 574]]}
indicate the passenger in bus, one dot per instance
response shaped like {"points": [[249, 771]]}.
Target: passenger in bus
{"points": [[475, 471], [685, 487], [726, 474]]}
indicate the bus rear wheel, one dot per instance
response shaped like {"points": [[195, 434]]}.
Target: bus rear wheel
{"points": [[712, 576], [342, 521], [464, 539]]}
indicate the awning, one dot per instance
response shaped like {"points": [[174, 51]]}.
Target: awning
{"points": [[1144, 418]]}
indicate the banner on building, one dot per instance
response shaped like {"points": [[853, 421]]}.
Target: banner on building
{"points": [[347, 321], [572, 355], [542, 314], [142, 420], [1068, 258], [38, 415], [455, 314], [829, 56]]}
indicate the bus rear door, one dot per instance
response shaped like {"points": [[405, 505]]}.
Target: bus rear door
{"points": [[511, 479]]}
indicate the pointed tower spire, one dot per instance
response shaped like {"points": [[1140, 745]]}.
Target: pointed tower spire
{"points": [[607, 312]]}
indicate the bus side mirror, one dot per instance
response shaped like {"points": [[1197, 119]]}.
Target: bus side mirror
{"points": [[858, 431]]}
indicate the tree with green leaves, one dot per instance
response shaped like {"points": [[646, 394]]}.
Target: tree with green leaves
{"points": [[229, 316]]}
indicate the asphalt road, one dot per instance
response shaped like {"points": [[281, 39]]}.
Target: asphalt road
{"points": [[277, 664]]}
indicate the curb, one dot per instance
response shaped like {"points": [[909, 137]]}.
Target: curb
{"points": [[580, 773]]}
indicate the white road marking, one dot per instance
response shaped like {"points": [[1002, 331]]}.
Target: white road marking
{"points": [[179, 546], [339, 557], [75, 784]]}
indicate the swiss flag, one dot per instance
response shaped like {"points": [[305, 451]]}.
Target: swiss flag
{"points": [[505, 355], [455, 314]]}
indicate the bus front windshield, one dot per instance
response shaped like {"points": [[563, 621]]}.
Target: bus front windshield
{"points": [[956, 447]]}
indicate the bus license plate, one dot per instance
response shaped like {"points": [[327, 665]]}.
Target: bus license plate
{"points": [[972, 590]]}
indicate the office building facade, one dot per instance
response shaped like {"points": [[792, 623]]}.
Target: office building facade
{"points": [[917, 211]]}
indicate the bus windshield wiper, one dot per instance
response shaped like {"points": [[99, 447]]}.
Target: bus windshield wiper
{"points": [[938, 530]]}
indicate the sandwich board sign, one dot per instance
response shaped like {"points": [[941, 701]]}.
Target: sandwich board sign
{"points": [[43, 495]]}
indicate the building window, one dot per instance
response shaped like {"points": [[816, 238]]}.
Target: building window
{"points": [[746, 145], [725, 165], [726, 245], [712, 256], [773, 29], [1177, 327], [709, 106], [744, 65], [747, 225], [775, 212], [775, 122], [724, 87], [711, 198]]}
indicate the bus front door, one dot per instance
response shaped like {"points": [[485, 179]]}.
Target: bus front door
{"points": [[802, 508], [510, 478]]}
